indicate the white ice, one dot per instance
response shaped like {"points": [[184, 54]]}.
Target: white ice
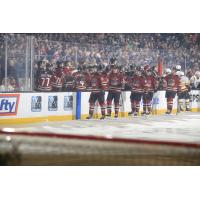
{"points": [[184, 127]]}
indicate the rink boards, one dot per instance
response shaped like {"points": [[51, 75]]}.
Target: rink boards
{"points": [[40, 107]]}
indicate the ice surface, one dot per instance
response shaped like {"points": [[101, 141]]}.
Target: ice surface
{"points": [[184, 127]]}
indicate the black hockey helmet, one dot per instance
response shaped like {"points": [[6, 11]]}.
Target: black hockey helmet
{"points": [[59, 63], [113, 61]]}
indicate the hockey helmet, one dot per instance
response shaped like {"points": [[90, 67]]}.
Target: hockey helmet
{"points": [[137, 72], [178, 67], [100, 68], [168, 71], [178, 73], [93, 68], [146, 67], [59, 63], [113, 61], [182, 73], [197, 73]]}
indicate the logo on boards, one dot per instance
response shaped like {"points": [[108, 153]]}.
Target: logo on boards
{"points": [[9, 104], [52, 103], [36, 103]]}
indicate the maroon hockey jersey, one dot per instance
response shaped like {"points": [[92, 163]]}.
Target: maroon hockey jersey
{"points": [[57, 79], [150, 84], [173, 82], [116, 82], [136, 83], [44, 81]]}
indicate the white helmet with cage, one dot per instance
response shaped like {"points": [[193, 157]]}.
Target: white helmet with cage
{"points": [[178, 67], [168, 71]]}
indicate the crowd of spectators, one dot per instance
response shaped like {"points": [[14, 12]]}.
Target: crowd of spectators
{"points": [[98, 48], [129, 49]]}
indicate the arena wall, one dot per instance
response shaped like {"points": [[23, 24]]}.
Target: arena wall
{"points": [[41, 107]]}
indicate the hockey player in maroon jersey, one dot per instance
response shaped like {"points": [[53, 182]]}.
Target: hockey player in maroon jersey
{"points": [[57, 79], [172, 81], [162, 84], [136, 83], [81, 79], [97, 92], [43, 77], [116, 82], [150, 86], [104, 78], [69, 71]]}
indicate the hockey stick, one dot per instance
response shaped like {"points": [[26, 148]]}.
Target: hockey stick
{"points": [[178, 110], [122, 101]]}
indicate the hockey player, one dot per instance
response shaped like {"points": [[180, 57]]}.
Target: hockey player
{"points": [[178, 67], [80, 80], [155, 73], [52, 65], [43, 75], [150, 86], [69, 71], [172, 81], [95, 83], [195, 80], [115, 87], [183, 91], [136, 83], [162, 84], [57, 79], [104, 78]]}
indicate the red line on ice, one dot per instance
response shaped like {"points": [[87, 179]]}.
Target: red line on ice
{"points": [[105, 139]]}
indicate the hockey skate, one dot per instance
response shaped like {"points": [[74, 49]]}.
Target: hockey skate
{"points": [[188, 109], [116, 116], [89, 117], [148, 113], [168, 112], [103, 117], [181, 109], [135, 114], [130, 113], [143, 113]]}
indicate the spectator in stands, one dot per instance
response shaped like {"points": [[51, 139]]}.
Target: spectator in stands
{"points": [[195, 80]]}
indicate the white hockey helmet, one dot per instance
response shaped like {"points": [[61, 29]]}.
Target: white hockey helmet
{"points": [[178, 67], [178, 73], [182, 73], [197, 73], [168, 71]]}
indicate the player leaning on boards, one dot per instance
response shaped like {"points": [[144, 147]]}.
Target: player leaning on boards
{"points": [[55, 76], [172, 86], [43, 74], [136, 83], [183, 91], [143, 84], [150, 86], [97, 83], [115, 86]]}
